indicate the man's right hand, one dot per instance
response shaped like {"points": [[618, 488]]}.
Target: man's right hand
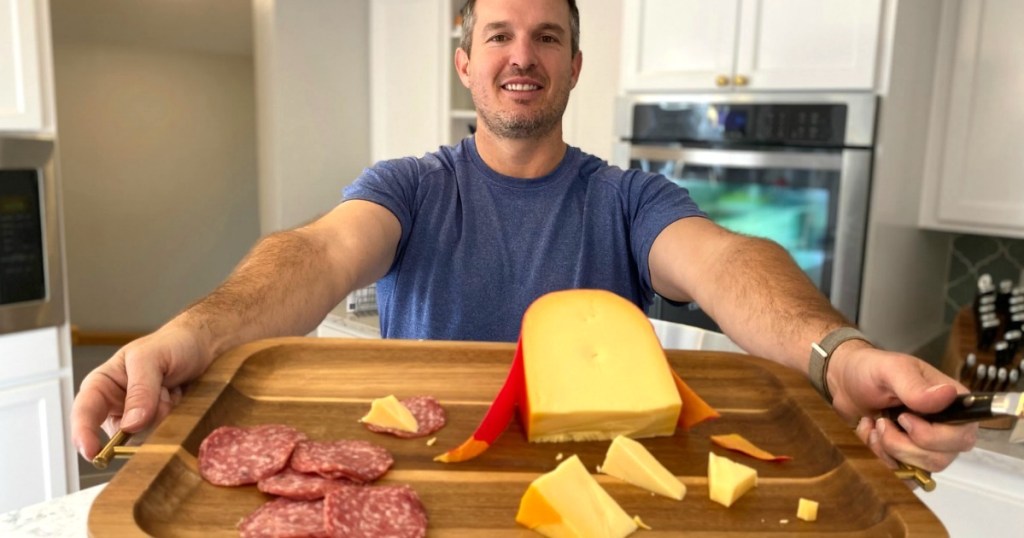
{"points": [[138, 386]]}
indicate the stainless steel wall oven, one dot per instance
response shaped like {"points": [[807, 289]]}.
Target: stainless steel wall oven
{"points": [[792, 168], [31, 275]]}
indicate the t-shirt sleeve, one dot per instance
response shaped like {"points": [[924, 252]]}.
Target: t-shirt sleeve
{"points": [[391, 184], [652, 203]]}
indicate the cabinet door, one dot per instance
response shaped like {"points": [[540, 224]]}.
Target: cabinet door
{"points": [[808, 44], [678, 44], [978, 184], [409, 67], [21, 102], [32, 457]]}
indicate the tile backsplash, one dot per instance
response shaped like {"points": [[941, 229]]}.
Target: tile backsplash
{"points": [[975, 255]]}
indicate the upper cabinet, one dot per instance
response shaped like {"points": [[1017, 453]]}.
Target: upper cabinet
{"points": [[726, 45], [417, 102], [24, 49], [974, 167]]}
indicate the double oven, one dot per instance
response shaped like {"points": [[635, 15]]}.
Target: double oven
{"points": [[793, 168]]}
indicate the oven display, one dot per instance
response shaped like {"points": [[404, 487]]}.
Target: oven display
{"points": [[22, 272]]}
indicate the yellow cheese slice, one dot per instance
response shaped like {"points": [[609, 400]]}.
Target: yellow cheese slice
{"points": [[568, 503], [579, 348], [807, 510], [628, 460], [728, 480], [388, 412]]}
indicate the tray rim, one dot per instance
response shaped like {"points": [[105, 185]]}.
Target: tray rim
{"points": [[110, 512]]}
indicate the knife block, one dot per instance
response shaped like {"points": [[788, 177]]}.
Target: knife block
{"points": [[963, 339]]}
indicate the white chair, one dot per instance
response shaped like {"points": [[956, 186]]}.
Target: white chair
{"points": [[679, 336]]}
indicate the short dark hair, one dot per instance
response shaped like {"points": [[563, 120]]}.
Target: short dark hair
{"points": [[469, 18]]}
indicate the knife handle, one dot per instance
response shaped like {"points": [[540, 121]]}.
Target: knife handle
{"points": [[965, 408]]}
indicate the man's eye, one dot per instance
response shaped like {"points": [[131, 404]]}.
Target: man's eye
{"points": [[548, 39], [498, 38]]}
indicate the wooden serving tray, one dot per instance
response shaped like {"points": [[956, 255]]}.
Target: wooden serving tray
{"points": [[322, 386]]}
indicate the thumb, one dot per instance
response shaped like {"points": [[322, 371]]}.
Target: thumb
{"points": [[921, 387], [142, 395]]}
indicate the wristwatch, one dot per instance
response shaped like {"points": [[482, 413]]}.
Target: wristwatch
{"points": [[821, 353]]}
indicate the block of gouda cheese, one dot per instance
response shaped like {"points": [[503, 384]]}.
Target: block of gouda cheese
{"points": [[581, 347], [388, 412], [728, 480], [807, 510], [629, 460], [568, 502]]}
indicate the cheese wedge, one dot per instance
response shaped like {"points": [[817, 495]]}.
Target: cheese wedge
{"points": [[629, 460], [594, 369], [807, 510], [569, 503], [728, 480], [388, 412]]}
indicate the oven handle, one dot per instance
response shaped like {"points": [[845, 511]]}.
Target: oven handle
{"points": [[740, 158]]}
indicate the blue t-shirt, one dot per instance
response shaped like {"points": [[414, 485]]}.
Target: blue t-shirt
{"points": [[478, 247]]}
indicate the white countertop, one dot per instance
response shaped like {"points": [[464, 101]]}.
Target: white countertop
{"points": [[65, 516]]}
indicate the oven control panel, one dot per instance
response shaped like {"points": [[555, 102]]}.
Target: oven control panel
{"points": [[787, 124]]}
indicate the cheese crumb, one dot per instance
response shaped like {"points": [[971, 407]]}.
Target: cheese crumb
{"points": [[598, 467], [431, 441], [783, 521], [641, 524], [807, 510], [559, 457]]}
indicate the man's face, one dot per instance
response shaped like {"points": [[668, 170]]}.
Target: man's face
{"points": [[522, 67]]}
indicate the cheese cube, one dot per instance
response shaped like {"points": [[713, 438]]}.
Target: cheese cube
{"points": [[628, 460], [807, 510], [388, 412], [728, 480], [568, 502], [594, 369]]}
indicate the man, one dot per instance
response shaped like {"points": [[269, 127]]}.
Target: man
{"points": [[463, 239]]}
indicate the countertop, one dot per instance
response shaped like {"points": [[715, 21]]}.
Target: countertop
{"points": [[66, 516]]}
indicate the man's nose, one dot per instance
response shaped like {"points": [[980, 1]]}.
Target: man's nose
{"points": [[523, 54]]}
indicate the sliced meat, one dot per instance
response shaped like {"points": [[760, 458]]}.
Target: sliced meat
{"points": [[359, 461], [285, 518], [299, 486], [430, 417], [233, 456], [375, 511]]}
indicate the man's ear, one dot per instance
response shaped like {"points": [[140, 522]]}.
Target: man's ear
{"points": [[577, 65], [462, 66]]}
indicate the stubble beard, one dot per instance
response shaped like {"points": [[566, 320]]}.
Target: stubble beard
{"points": [[525, 125]]}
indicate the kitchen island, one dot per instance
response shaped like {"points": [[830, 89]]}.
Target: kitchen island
{"points": [[61, 517]]}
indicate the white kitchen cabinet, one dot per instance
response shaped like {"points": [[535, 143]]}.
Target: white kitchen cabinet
{"points": [[24, 57], [974, 167], [727, 45], [416, 100], [36, 460]]}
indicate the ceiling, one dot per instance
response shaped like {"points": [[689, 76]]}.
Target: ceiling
{"points": [[217, 26]]}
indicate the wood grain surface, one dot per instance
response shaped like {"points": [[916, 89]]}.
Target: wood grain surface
{"points": [[322, 386]]}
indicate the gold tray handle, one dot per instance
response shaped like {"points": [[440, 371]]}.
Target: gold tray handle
{"points": [[113, 449], [922, 477]]}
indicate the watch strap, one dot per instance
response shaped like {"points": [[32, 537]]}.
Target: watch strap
{"points": [[821, 353]]}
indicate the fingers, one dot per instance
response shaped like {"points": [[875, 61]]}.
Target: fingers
{"points": [[931, 447], [143, 392], [100, 397]]}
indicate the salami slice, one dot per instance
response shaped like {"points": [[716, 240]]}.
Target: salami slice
{"points": [[233, 456], [285, 518], [359, 461], [375, 511], [299, 486], [429, 414]]}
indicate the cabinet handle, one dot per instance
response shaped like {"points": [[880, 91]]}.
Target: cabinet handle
{"points": [[741, 80], [721, 81]]}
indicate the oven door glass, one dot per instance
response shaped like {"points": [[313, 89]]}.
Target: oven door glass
{"points": [[22, 273], [792, 202]]}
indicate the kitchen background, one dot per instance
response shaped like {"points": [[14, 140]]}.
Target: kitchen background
{"points": [[188, 129]]}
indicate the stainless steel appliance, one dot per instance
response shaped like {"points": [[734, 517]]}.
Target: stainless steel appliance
{"points": [[31, 275], [794, 168]]}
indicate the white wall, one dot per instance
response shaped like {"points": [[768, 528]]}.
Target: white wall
{"points": [[312, 71], [158, 157], [589, 119]]}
